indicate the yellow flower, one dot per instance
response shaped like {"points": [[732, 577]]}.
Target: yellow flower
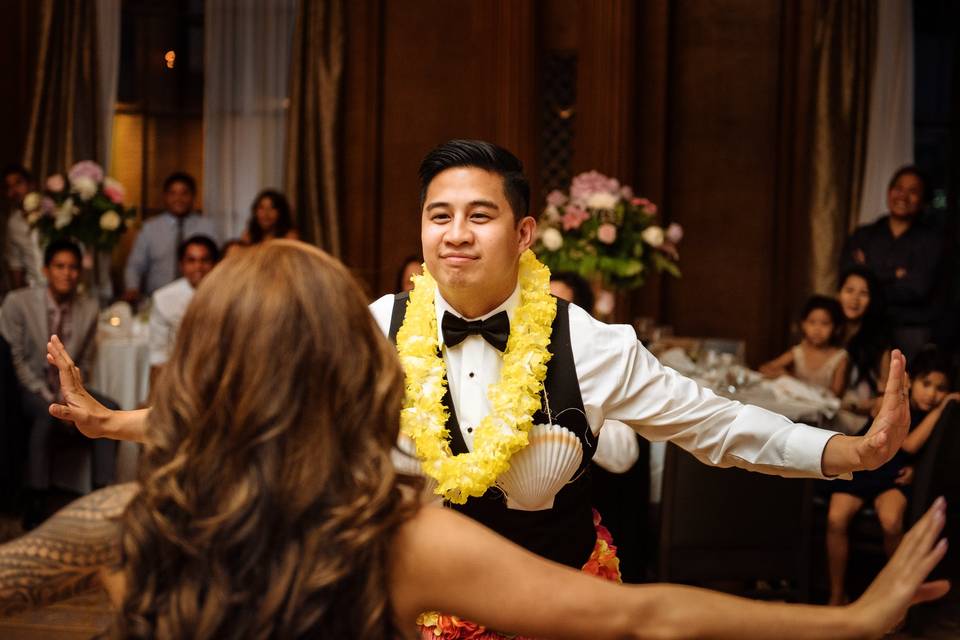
{"points": [[513, 399]]}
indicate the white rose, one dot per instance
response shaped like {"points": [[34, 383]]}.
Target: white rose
{"points": [[653, 236], [602, 200], [551, 239], [551, 214], [31, 202], [110, 221], [63, 216], [84, 187]]}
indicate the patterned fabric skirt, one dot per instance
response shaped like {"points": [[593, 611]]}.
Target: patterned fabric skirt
{"points": [[603, 563]]}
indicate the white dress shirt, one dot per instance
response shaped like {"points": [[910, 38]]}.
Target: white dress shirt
{"points": [[621, 380], [169, 304]]}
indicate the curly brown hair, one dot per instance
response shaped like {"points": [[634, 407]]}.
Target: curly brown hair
{"points": [[268, 500]]}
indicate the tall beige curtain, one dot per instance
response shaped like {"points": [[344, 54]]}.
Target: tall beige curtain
{"points": [[65, 113], [316, 67], [843, 66]]}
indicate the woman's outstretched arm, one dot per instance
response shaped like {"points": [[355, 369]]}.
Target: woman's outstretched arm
{"points": [[92, 418], [443, 561], [66, 554]]}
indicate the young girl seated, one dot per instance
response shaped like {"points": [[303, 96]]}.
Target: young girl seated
{"points": [[818, 359], [887, 486]]}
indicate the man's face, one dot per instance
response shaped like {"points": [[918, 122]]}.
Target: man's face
{"points": [[196, 263], [15, 188], [63, 273], [905, 196], [470, 242], [178, 199]]}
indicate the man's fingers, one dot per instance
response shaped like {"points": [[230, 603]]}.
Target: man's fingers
{"points": [[61, 412], [896, 381]]}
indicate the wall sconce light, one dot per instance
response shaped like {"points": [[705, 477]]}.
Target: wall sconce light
{"points": [[170, 57]]}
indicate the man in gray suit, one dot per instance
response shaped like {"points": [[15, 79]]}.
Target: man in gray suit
{"points": [[27, 319]]}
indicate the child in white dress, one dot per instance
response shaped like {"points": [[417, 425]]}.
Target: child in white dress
{"points": [[818, 359]]}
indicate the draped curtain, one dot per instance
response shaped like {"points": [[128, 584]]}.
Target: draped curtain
{"points": [[315, 89], [246, 80], [843, 66], [108, 41], [890, 136], [65, 115]]}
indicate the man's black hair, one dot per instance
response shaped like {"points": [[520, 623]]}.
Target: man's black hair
{"points": [[57, 246], [17, 169], [181, 176], [202, 240], [481, 155]]}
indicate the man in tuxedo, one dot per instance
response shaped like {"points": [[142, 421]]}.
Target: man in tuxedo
{"points": [[474, 229], [27, 319]]}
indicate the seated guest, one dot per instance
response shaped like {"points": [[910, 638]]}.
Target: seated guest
{"points": [[268, 505], [866, 339], [412, 266], [887, 487], [22, 249], [270, 217], [818, 359], [27, 319], [153, 259], [196, 256], [904, 252]]}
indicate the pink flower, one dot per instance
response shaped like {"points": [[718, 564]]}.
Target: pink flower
{"points": [[47, 205], [626, 192], [674, 233], [556, 198], [607, 233], [86, 169], [114, 191], [56, 183], [650, 209], [573, 217], [590, 182], [639, 202]]}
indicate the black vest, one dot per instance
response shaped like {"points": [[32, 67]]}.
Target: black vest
{"points": [[565, 533]]}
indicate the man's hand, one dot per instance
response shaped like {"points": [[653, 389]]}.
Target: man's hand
{"points": [[78, 406], [844, 454]]}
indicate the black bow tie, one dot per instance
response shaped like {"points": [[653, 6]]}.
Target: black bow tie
{"points": [[495, 329]]}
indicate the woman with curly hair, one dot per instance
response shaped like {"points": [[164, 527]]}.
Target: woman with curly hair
{"points": [[267, 505]]}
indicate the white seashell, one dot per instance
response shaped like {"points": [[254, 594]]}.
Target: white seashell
{"points": [[540, 469], [405, 461]]}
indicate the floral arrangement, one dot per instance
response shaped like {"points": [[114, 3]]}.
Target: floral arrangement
{"points": [[85, 206], [513, 399], [601, 229]]}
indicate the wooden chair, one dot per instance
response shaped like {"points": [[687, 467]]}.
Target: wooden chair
{"points": [[733, 525]]}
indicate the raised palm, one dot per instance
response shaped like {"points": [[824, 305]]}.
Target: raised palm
{"points": [[78, 406], [892, 423]]}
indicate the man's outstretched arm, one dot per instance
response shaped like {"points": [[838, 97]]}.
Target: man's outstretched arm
{"points": [[63, 556]]}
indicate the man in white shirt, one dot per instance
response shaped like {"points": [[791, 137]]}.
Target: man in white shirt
{"points": [[196, 256], [21, 246], [474, 228]]}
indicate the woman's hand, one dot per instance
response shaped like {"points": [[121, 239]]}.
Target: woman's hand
{"points": [[78, 406], [901, 583]]}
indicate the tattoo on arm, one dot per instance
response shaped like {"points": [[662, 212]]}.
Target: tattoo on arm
{"points": [[64, 555]]}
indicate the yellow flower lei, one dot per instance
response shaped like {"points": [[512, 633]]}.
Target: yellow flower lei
{"points": [[513, 399]]}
